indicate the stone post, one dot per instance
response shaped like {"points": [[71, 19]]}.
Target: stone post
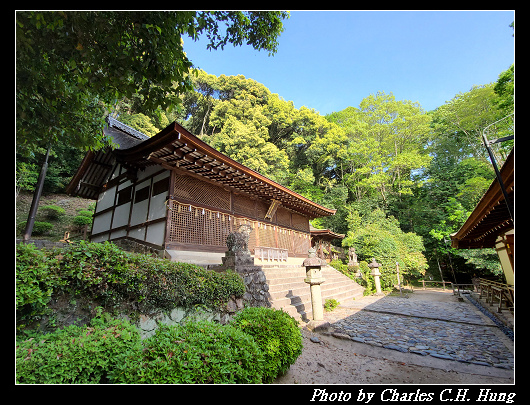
{"points": [[374, 266], [314, 278]]}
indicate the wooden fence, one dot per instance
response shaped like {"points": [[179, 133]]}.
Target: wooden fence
{"points": [[495, 292]]}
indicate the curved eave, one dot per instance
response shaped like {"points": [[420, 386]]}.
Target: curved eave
{"points": [[490, 217], [176, 147]]}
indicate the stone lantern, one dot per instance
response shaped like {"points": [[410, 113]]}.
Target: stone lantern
{"points": [[374, 266], [313, 266]]}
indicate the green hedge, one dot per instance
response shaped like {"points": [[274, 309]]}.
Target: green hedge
{"points": [[202, 352], [110, 276], [259, 345], [276, 333], [81, 355]]}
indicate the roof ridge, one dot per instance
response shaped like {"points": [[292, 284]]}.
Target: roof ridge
{"points": [[113, 122]]}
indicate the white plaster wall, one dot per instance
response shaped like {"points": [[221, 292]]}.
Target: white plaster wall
{"points": [[138, 233], [139, 210], [142, 174], [106, 199], [100, 238], [102, 222], [155, 233], [121, 215], [118, 234]]}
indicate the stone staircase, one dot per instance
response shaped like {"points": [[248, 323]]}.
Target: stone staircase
{"points": [[288, 290]]}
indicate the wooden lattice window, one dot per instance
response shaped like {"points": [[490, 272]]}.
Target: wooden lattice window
{"points": [[192, 189], [300, 222], [244, 205], [197, 226], [262, 208], [283, 216]]}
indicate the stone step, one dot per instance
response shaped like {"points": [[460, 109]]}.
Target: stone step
{"points": [[289, 292], [300, 288]]}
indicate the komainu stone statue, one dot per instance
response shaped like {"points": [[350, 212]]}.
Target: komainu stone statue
{"points": [[238, 241]]}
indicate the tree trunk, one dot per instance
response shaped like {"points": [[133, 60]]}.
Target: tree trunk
{"points": [[36, 197]]}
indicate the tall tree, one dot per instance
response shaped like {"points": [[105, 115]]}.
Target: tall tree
{"points": [[70, 66]]}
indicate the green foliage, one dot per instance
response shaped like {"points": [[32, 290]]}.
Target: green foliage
{"points": [[85, 213], [36, 279], [39, 227], [201, 352], [331, 304], [378, 236], [338, 265], [76, 355], [277, 335], [367, 279], [103, 272], [71, 67], [140, 122], [82, 220], [53, 211]]}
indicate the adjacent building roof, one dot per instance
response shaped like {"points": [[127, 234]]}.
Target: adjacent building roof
{"points": [[325, 234], [490, 217], [174, 147]]}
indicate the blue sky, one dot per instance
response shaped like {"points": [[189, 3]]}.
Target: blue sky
{"points": [[329, 60]]}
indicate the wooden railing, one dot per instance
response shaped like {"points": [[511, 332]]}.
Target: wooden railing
{"points": [[438, 282], [494, 291], [270, 253], [462, 287]]}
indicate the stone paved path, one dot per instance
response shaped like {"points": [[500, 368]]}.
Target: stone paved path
{"points": [[443, 328]]}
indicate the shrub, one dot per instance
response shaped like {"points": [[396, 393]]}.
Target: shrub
{"points": [[201, 352], [39, 228], [85, 213], [276, 333], [82, 220], [52, 211], [36, 279], [76, 354], [331, 304], [103, 272], [367, 279]]}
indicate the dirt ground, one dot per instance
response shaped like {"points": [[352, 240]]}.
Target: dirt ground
{"points": [[337, 361]]}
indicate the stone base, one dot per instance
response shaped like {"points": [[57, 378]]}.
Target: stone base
{"points": [[257, 289], [318, 326], [231, 260]]}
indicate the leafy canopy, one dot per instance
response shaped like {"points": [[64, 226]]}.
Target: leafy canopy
{"points": [[72, 66]]}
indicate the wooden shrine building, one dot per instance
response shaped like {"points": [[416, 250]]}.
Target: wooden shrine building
{"points": [[321, 241], [490, 224], [175, 193]]}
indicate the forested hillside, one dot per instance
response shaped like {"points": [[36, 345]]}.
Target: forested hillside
{"points": [[401, 178]]}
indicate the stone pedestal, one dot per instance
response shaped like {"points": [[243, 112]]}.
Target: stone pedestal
{"points": [[314, 278]]}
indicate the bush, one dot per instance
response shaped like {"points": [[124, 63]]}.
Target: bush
{"points": [[85, 213], [39, 228], [36, 279], [104, 273], [76, 354], [331, 304], [53, 211], [201, 352], [82, 220], [367, 279], [276, 333]]}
